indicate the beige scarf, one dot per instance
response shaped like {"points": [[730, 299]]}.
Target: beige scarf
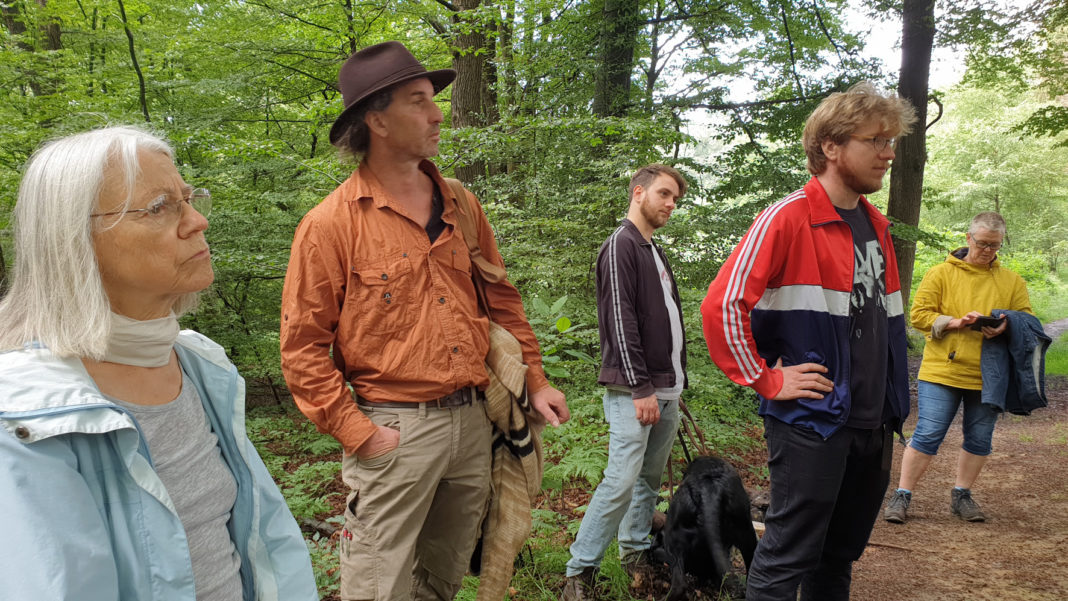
{"points": [[141, 343]]}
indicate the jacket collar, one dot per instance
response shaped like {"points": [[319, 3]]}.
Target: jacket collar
{"points": [[632, 230], [822, 211], [35, 380]]}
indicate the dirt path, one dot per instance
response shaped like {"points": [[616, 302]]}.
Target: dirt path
{"points": [[1019, 554]]}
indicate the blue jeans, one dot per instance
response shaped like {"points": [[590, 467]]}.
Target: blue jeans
{"points": [[938, 406], [623, 504]]}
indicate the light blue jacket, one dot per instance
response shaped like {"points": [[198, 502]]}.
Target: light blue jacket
{"points": [[83, 514]]}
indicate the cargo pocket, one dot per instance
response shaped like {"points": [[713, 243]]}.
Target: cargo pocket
{"points": [[357, 557]]}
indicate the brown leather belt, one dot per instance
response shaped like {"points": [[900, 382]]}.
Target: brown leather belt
{"points": [[459, 398]]}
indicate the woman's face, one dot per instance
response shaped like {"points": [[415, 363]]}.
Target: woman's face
{"points": [[983, 246], [148, 261]]}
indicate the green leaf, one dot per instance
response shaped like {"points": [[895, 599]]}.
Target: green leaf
{"points": [[558, 305]]}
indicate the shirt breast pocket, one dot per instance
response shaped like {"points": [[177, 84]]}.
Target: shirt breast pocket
{"points": [[381, 293]]}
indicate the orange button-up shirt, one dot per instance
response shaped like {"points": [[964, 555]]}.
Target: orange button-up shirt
{"points": [[370, 301]]}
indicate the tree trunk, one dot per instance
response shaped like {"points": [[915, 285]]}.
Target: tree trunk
{"points": [[48, 38], [469, 91], [508, 90], [906, 176], [619, 35]]}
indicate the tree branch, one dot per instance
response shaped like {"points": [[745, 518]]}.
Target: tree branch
{"points": [[823, 28], [290, 15], [790, 43], [730, 106], [938, 103], [142, 96]]}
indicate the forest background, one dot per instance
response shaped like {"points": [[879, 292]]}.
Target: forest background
{"points": [[555, 104]]}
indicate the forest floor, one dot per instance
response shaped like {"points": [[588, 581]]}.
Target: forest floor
{"points": [[1019, 554]]}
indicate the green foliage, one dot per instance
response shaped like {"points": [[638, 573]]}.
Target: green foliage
{"points": [[563, 343], [302, 460], [305, 488], [325, 564], [1057, 358], [983, 164], [577, 450]]}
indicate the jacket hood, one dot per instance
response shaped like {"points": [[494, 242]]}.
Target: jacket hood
{"points": [[956, 258]]}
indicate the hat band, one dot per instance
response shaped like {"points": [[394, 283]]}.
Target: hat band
{"points": [[390, 79]]}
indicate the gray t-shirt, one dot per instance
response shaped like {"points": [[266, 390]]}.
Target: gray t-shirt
{"points": [[187, 458]]}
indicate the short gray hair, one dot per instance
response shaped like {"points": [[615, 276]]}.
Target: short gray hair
{"points": [[56, 296], [987, 220]]}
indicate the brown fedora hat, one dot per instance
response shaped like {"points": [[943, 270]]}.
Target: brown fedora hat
{"points": [[376, 68]]}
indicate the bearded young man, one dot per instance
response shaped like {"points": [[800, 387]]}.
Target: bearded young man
{"points": [[643, 368], [807, 311]]}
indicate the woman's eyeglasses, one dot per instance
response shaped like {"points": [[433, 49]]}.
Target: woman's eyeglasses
{"points": [[165, 210]]}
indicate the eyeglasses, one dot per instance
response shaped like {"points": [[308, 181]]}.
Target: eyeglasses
{"points": [[164, 209], [879, 143], [987, 245]]}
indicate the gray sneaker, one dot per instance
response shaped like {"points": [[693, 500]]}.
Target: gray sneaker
{"points": [[897, 507], [965, 507], [580, 587]]}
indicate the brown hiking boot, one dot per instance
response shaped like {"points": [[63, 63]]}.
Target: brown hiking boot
{"points": [[580, 587], [965, 507]]}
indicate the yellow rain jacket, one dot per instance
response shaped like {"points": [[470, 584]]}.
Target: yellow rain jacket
{"points": [[950, 290]]}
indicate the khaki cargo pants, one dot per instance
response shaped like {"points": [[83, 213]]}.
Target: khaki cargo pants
{"points": [[414, 514]]}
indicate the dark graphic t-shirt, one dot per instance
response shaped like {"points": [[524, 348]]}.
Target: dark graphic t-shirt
{"points": [[868, 340]]}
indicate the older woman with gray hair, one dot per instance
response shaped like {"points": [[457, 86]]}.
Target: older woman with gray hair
{"points": [[125, 469], [952, 307]]}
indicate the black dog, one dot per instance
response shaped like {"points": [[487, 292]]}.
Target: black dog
{"points": [[708, 515]]}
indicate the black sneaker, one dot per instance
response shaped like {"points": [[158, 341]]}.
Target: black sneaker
{"points": [[580, 587], [897, 507], [965, 507]]}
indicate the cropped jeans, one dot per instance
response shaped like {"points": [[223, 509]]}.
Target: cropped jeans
{"points": [[623, 504], [937, 406]]}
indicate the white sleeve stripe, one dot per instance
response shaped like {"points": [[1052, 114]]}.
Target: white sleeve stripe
{"points": [[613, 282], [743, 266], [894, 304]]}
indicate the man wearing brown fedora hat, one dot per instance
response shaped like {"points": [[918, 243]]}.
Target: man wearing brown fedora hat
{"points": [[379, 303]]}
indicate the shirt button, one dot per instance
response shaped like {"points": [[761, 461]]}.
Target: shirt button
{"points": [[387, 295], [24, 432], [455, 349], [385, 277], [442, 300]]}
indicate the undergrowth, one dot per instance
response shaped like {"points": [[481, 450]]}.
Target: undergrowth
{"points": [[306, 464]]}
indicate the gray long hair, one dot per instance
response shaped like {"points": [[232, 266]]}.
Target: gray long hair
{"points": [[56, 295]]}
